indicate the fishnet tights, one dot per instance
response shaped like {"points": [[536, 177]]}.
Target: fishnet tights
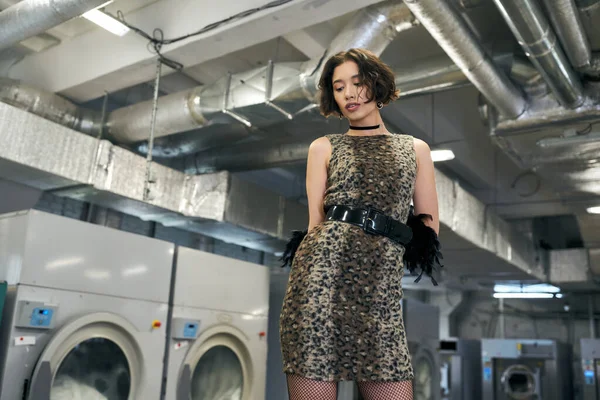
{"points": [[301, 388]]}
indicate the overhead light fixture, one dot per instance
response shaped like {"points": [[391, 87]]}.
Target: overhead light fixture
{"points": [[442, 155], [531, 295], [594, 210], [519, 288], [107, 22]]}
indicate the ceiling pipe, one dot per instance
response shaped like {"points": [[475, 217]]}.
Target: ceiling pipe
{"points": [[589, 12], [28, 18], [565, 19], [49, 106], [534, 33], [262, 96], [452, 34]]}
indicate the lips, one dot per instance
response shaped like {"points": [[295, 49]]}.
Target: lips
{"points": [[352, 106]]}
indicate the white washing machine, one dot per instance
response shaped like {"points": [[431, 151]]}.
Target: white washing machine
{"points": [[85, 313], [218, 346]]}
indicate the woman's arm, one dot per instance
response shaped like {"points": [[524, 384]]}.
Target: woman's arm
{"points": [[425, 197], [319, 153]]}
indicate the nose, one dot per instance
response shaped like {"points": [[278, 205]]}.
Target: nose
{"points": [[349, 92]]}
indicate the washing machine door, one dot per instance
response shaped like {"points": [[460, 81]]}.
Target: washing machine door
{"points": [[520, 382], [94, 357], [218, 366], [424, 365]]}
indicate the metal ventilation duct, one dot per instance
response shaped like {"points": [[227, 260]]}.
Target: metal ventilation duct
{"points": [[531, 28], [45, 155], [589, 11], [50, 106], [567, 23], [262, 96], [574, 269], [28, 18], [549, 134], [453, 35], [428, 77]]}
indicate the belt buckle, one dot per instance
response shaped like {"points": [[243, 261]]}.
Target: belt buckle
{"points": [[370, 221]]}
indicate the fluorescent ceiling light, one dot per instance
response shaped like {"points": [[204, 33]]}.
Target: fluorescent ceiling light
{"points": [[523, 295], [106, 21], [442, 155], [515, 288], [594, 210]]}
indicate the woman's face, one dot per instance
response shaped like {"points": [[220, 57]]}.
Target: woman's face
{"points": [[350, 94]]}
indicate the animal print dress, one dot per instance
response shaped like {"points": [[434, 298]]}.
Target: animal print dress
{"points": [[341, 317]]}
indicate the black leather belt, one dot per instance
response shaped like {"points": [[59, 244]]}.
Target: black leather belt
{"points": [[371, 221]]}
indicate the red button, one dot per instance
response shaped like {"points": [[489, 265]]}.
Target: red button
{"points": [[156, 324], [262, 334]]}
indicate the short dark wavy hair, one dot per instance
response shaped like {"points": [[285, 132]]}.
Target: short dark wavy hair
{"points": [[375, 75]]}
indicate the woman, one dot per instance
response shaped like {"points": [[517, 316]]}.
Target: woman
{"points": [[341, 317]]}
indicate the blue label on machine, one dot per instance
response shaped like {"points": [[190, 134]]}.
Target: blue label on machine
{"points": [[190, 331], [589, 377], [41, 317], [487, 374]]}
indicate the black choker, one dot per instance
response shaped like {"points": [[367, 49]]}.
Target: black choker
{"points": [[364, 128]]}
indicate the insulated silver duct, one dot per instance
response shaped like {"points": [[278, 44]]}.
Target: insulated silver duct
{"points": [[428, 77], [262, 96], [453, 35], [565, 19], [50, 106], [28, 18], [531, 28], [589, 11]]}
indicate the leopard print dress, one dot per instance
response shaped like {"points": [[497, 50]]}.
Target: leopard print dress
{"points": [[341, 317]]}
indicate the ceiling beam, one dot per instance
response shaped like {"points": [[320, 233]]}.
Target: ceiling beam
{"points": [[88, 65]]}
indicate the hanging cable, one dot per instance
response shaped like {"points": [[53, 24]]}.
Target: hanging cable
{"points": [[156, 41]]}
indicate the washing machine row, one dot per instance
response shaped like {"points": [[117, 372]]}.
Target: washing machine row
{"points": [[95, 313]]}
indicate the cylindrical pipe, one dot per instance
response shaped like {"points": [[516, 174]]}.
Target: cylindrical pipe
{"points": [[373, 28], [589, 12], [546, 115], [174, 114], [453, 35], [533, 31], [49, 106], [32, 17], [565, 19]]}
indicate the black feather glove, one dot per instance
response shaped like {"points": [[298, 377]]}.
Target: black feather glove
{"points": [[291, 247], [423, 252]]}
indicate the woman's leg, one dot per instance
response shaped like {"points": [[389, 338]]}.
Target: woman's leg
{"points": [[402, 390], [301, 388]]}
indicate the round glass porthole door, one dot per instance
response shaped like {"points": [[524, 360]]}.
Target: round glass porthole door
{"points": [[423, 370], [95, 357], [94, 369], [218, 366], [519, 382], [218, 375]]}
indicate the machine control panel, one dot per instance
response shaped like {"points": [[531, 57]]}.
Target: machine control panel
{"points": [[36, 315], [185, 328]]}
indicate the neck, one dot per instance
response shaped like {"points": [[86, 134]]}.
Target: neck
{"points": [[371, 124]]}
